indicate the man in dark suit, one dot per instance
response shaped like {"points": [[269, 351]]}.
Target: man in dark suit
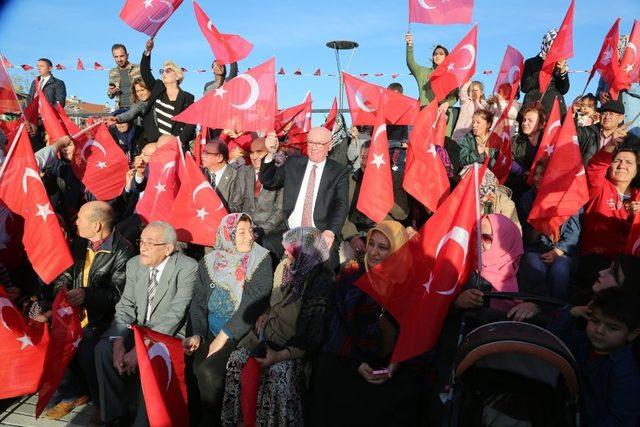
{"points": [[157, 293], [54, 89], [221, 176], [249, 196], [315, 190]]}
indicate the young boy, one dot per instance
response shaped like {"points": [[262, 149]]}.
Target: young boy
{"points": [[609, 377]]}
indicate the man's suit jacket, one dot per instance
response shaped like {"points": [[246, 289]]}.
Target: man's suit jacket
{"points": [[54, 90], [332, 203], [170, 305], [266, 210], [226, 185]]}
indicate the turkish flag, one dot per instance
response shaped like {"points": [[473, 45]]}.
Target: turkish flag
{"points": [[629, 70], [440, 12], [418, 282], [457, 68], [227, 48], [199, 143], [80, 65], [64, 339], [364, 99], [376, 191], [50, 119], [563, 190], [31, 110], [607, 62], [500, 138], [6, 63], [425, 177], [633, 242], [197, 209], [148, 16], [161, 362], [295, 122], [8, 99], [97, 66], [245, 103], [548, 140], [510, 73], [60, 67], [24, 344], [162, 184], [22, 191], [330, 121], [561, 49], [100, 164]]}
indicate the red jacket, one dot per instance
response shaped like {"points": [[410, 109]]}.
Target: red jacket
{"points": [[606, 223]]}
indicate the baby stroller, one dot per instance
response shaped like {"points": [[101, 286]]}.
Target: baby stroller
{"points": [[513, 374]]}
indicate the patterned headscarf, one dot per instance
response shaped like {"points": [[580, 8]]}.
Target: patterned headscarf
{"points": [[228, 268], [623, 41], [547, 40], [308, 248]]}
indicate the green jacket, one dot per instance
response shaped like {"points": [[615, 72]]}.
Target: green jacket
{"points": [[469, 152], [421, 75]]}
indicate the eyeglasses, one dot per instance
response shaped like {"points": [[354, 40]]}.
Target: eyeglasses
{"points": [[166, 70], [318, 144], [142, 243], [207, 153]]}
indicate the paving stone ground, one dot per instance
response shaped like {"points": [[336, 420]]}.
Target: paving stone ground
{"points": [[21, 413]]}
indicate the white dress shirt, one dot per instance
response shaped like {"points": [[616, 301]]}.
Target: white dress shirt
{"points": [[295, 219], [43, 80], [219, 174], [160, 267]]}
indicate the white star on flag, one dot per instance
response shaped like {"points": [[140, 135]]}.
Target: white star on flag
{"points": [[44, 211], [451, 66], [628, 68], [26, 341], [606, 58], [102, 165], [220, 92], [64, 311], [378, 160], [581, 172], [160, 188], [148, 3], [432, 150], [549, 150], [201, 213], [76, 343]]}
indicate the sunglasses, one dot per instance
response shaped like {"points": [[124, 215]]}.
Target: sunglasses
{"points": [[166, 70]]}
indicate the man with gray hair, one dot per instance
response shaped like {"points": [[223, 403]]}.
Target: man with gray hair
{"points": [[156, 295]]}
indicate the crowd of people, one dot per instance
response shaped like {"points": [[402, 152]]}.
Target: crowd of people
{"points": [[278, 287]]}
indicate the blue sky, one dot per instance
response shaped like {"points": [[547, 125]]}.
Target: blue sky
{"points": [[295, 32]]}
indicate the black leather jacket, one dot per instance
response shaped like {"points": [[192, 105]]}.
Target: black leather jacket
{"points": [[107, 277]]}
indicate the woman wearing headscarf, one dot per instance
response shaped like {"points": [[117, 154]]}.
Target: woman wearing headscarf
{"points": [[559, 84], [284, 336], [501, 252], [353, 382], [235, 283], [167, 99]]}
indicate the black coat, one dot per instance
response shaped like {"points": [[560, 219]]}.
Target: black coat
{"points": [[589, 141], [185, 132], [54, 90], [530, 86], [107, 278], [332, 204]]}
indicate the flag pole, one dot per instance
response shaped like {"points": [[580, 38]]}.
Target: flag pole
{"points": [[87, 129], [633, 120], [11, 150], [476, 192]]}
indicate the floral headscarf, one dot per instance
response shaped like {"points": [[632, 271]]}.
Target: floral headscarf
{"points": [[547, 41], [623, 41], [308, 249], [228, 268]]}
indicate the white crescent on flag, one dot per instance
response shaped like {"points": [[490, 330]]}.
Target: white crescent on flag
{"points": [[461, 237], [161, 17], [28, 172], [202, 186], [513, 72], [253, 95], [92, 143], [4, 302], [553, 126], [361, 103], [472, 51], [426, 5], [160, 349]]}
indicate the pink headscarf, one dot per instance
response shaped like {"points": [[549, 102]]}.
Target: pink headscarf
{"points": [[500, 263]]}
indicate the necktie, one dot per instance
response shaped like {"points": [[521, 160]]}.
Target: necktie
{"points": [[257, 187], [42, 81], [307, 208], [151, 290], [213, 180]]}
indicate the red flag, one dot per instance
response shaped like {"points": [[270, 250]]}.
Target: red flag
{"points": [[199, 143], [22, 191], [80, 65], [629, 70], [295, 122], [65, 337], [508, 79], [148, 16], [561, 48], [24, 344], [30, 113], [26, 67], [607, 62], [162, 184], [376, 190], [97, 66], [563, 190], [364, 99], [317, 72], [457, 68], [227, 48], [281, 72], [100, 164], [440, 13], [425, 177], [60, 67], [197, 210], [161, 362], [548, 140], [50, 120], [417, 283], [8, 99], [633, 242], [6, 63], [297, 72], [500, 138], [330, 121], [245, 103]]}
